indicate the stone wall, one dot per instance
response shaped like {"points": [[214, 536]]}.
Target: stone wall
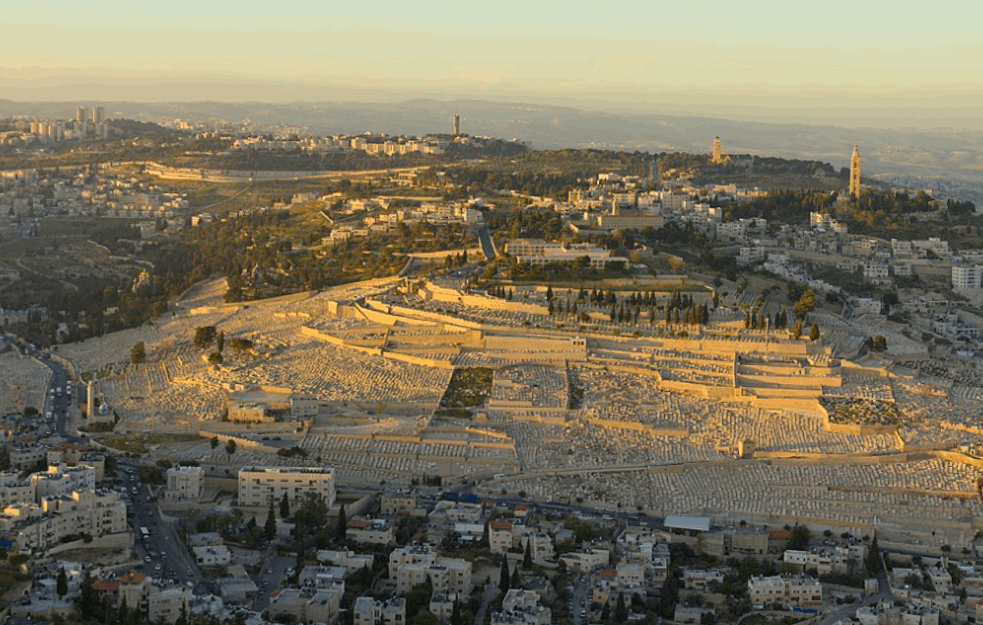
{"points": [[440, 294], [109, 541]]}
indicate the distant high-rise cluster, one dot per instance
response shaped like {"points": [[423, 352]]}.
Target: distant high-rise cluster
{"points": [[96, 115], [855, 172], [88, 122]]}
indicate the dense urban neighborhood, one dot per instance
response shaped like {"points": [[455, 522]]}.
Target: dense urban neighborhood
{"points": [[256, 375]]}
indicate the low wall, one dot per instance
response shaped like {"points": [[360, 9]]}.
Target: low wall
{"points": [[441, 294], [501, 405], [207, 310], [362, 505], [851, 369], [240, 441], [636, 427], [109, 541], [402, 314], [427, 441], [489, 433], [730, 346], [334, 340], [861, 430], [784, 381], [282, 390], [67, 364], [785, 403], [526, 344], [960, 458], [539, 418], [228, 484], [449, 336], [273, 427], [418, 360]]}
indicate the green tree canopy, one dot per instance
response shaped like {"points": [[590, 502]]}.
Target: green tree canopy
{"points": [[204, 336], [138, 353], [805, 304]]}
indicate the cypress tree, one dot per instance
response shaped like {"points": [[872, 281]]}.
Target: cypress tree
{"points": [[456, 617], [123, 614], [61, 583], [342, 530], [269, 530], [620, 610], [873, 557]]}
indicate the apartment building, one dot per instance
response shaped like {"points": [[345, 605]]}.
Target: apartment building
{"points": [[14, 490], [449, 575], [413, 553], [538, 252], [185, 483], [586, 559], [62, 480], [307, 605], [368, 611], [522, 607], [394, 503], [967, 276], [828, 560], [167, 604], [499, 536], [97, 513], [259, 485], [798, 592]]}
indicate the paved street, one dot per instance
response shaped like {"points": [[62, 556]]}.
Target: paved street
{"points": [[273, 573], [163, 553]]}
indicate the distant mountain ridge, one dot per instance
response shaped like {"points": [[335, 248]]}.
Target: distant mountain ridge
{"points": [[907, 153]]}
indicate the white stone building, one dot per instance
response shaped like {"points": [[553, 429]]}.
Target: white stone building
{"points": [[259, 485], [185, 483]]}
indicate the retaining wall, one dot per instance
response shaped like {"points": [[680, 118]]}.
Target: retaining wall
{"points": [[109, 541]]}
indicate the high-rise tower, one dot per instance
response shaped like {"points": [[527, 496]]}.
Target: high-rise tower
{"points": [[717, 156], [81, 115], [98, 114], [855, 172], [457, 125]]}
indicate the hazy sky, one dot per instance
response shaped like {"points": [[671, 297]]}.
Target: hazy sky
{"points": [[772, 53]]}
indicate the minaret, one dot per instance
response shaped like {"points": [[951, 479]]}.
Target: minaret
{"points": [[717, 157], [90, 402], [855, 172]]}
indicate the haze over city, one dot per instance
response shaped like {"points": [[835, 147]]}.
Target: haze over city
{"points": [[840, 62]]}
